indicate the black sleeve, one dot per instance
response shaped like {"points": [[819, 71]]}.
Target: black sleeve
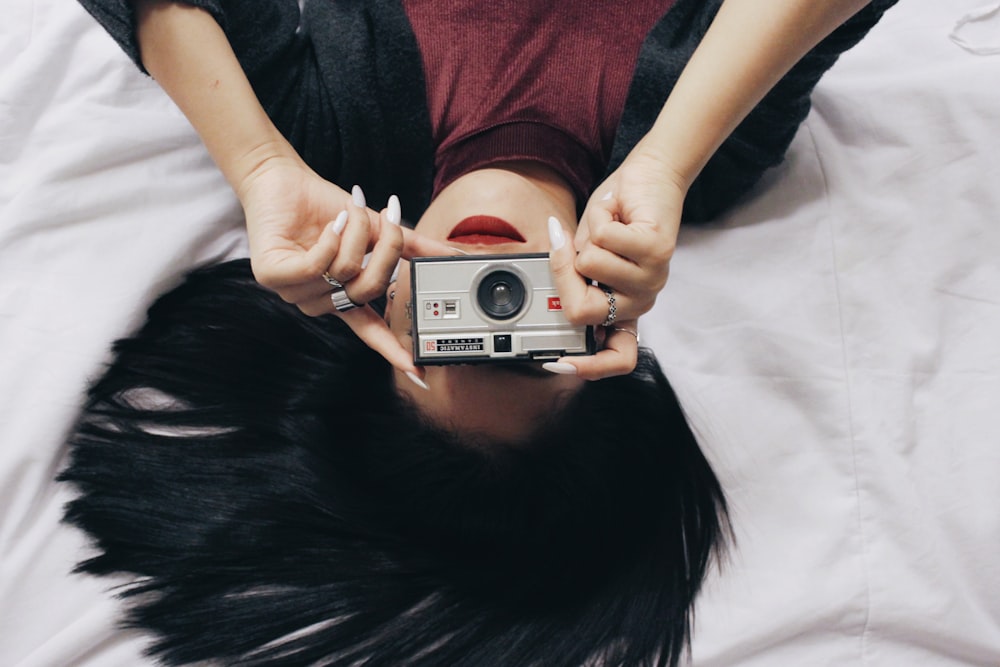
{"points": [[278, 59], [761, 140], [118, 18], [263, 33]]}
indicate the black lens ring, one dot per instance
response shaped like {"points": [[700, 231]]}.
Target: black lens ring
{"points": [[484, 294]]}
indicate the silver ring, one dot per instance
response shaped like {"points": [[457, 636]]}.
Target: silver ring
{"points": [[612, 309], [628, 331], [338, 296], [341, 301]]}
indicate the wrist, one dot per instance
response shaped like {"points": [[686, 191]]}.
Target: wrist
{"points": [[186, 51], [247, 165], [659, 159]]}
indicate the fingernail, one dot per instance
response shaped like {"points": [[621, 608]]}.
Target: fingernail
{"points": [[460, 251], [557, 238], [415, 379], [608, 195], [393, 215], [358, 196], [340, 222], [559, 367]]}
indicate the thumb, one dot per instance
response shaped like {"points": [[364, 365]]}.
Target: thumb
{"points": [[562, 253], [572, 287], [605, 207], [582, 302]]}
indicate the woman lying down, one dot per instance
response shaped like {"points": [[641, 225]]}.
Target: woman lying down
{"points": [[286, 482]]}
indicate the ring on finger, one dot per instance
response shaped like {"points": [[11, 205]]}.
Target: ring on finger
{"points": [[628, 331], [612, 308], [336, 284], [341, 301]]}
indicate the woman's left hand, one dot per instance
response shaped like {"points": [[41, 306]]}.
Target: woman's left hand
{"points": [[628, 232], [619, 351], [626, 239]]}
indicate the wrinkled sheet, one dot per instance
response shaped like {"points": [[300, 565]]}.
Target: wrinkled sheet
{"points": [[835, 341]]}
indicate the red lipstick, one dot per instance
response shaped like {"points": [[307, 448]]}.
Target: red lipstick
{"points": [[485, 230]]}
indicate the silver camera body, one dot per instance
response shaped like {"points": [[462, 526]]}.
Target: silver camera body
{"points": [[482, 308]]}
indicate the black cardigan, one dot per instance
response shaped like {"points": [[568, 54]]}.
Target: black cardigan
{"points": [[344, 83]]}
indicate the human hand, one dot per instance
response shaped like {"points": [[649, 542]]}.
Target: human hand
{"points": [[618, 340], [301, 226], [626, 237], [628, 232]]}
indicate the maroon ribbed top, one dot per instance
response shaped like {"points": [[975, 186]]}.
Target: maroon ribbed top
{"points": [[528, 80]]}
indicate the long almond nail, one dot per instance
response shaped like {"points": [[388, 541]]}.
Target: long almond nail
{"points": [[340, 222], [358, 195], [559, 368], [393, 215], [557, 238], [415, 379]]}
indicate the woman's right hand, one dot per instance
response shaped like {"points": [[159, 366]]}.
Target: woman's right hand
{"points": [[288, 207], [301, 226]]}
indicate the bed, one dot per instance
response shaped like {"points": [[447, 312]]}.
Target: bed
{"points": [[835, 341]]}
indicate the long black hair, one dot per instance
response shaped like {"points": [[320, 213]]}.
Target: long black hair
{"points": [[277, 503]]}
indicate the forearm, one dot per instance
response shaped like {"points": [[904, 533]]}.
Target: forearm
{"points": [[748, 48], [188, 54]]}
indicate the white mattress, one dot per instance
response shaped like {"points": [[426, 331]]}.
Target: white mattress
{"points": [[835, 341]]}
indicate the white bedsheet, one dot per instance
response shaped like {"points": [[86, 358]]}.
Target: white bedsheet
{"points": [[835, 341]]}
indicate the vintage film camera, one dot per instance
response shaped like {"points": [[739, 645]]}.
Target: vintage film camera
{"points": [[484, 308]]}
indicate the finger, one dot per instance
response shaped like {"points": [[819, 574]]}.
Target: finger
{"points": [[316, 288], [353, 245], [414, 243], [641, 235], [582, 232], [373, 280], [636, 242], [639, 282], [606, 267], [619, 356], [582, 302], [418, 245], [283, 268], [596, 206], [371, 328]]}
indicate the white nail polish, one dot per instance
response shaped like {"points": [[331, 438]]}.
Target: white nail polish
{"points": [[608, 195], [340, 222], [358, 196], [559, 368], [393, 214], [557, 238], [416, 380]]}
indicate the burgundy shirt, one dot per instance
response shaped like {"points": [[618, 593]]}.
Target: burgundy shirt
{"points": [[528, 80]]}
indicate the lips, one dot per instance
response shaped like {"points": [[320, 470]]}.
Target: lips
{"points": [[485, 230]]}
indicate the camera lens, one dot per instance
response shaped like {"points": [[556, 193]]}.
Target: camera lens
{"points": [[501, 295]]}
